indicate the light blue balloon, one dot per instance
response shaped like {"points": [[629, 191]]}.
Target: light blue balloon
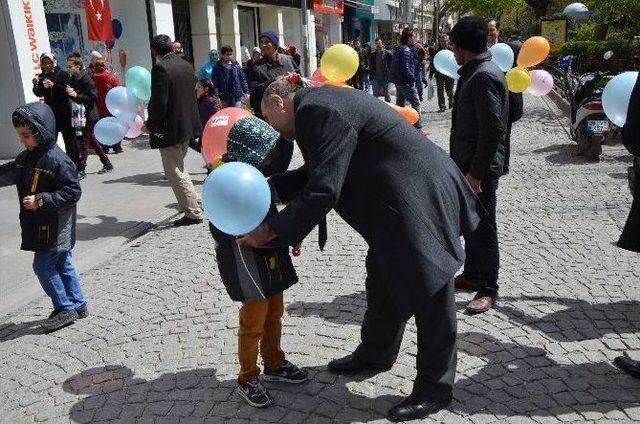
{"points": [[236, 198], [110, 130], [445, 63], [205, 71], [617, 95], [138, 80], [121, 103], [502, 55]]}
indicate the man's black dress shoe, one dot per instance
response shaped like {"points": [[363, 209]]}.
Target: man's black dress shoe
{"points": [[414, 409], [352, 364], [628, 365]]}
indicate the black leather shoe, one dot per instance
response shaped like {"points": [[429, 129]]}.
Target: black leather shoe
{"points": [[410, 409], [186, 221], [628, 365], [352, 364]]}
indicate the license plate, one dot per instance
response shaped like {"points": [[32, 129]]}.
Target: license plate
{"points": [[595, 127]]}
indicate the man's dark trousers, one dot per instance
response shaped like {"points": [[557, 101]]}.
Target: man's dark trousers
{"points": [[444, 83], [71, 144], [382, 331], [481, 246]]}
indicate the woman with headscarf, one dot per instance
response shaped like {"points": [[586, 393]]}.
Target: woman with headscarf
{"points": [[207, 68]]}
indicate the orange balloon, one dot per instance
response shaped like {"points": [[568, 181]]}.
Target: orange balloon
{"points": [[535, 50], [216, 132], [407, 112]]}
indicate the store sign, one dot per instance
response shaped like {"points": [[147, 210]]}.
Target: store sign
{"points": [[335, 7], [31, 35], [554, 30]]}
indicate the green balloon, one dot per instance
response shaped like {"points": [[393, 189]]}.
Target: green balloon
{"points": [[138, 80]]}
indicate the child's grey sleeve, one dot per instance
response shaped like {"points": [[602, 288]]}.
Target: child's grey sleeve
{"points": [[8, 174]]}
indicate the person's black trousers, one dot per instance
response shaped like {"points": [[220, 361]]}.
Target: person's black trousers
{"points": [[71, 144], [481, 247], [630, 237], [382, 331], [444, 83]]}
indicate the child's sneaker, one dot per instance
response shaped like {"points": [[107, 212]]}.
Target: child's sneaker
{"points": [[60, 319], [82, 311], [255, 393], [287, 373]]}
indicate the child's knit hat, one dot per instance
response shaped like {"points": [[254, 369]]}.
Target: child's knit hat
{"points": [[250, 141]]}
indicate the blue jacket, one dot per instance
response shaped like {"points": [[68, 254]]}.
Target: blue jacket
{"points": [[230, 82], [403, 65], [49, 174]]}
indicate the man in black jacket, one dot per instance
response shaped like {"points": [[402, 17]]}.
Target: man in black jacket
{"points": [[479, 128], [443, 82], [409, 202], [173, 121], [380, 62], [630, 238], [51, 84]]}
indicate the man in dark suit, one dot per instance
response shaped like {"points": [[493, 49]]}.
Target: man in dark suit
{"points": [[173, 121], [405, 197], [478, 132]]}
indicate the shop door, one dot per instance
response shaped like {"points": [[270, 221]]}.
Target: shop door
{"points": [[248, 17], [182, 26]]}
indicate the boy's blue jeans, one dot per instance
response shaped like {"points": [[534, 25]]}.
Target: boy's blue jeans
{"points": [[58, 279]]}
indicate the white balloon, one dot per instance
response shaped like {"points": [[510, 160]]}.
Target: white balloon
{"points": [[502, 55], [445, 63], [608, 55], [616, 96], [577, 11]]}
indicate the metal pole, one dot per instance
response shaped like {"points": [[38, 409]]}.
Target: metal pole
{"points": [[437, 20], [305, 37]]}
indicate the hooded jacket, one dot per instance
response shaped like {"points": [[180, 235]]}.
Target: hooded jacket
{"points": [[403, 65], [49, 174]]}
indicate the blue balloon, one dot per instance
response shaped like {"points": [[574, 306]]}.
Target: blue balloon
{"points": [[617, 95], [236, 198], [138, 80], [502, 55], [445, 63], [122, 103], [110, 130], [116, 25], [205, 71]]}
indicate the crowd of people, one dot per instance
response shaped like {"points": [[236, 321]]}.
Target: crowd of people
{"points": [[423, 200]]}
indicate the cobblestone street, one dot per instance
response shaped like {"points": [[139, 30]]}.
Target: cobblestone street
{"points": [[160, 345]]}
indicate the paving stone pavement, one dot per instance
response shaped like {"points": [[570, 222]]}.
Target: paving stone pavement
{"points": [[160, 344]]}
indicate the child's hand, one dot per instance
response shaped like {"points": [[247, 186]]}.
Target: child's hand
{"points": [[30, 203], [258, 237], [297, 250]]}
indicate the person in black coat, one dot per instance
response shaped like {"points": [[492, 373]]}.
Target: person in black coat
{"points": [[630, 238], [173, 121], [48, 191], [480, 119], [51, 84], [405, 197], [82, 90]]}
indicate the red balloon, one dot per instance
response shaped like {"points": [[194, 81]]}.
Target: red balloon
{"points": [[317, 79], [216, 131]]}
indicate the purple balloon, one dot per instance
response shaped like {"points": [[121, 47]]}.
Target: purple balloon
{"points": [[541, 82]]}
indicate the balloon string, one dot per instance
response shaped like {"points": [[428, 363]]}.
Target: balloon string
{"points": [[249, 273]]}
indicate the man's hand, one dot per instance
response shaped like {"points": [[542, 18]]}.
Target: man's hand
{"points": [[475, 183], [47, 83], [35, 80], [145, 130], [71, 92], [30, 203], [258, 237]]}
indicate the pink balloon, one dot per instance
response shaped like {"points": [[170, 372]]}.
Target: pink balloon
{"points": [[317, 79], [135, 128], [541, 82]]}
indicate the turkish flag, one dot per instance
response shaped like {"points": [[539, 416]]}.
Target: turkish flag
{"points": [[98, 19]]}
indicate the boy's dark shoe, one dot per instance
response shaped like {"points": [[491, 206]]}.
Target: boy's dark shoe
{"points": [[414, 409], [107, 167], [287, 373], [482, 302], [82, 311], [117, 151], [185, 220], [59, 320], [462, 283], [255, 393], [352, 364], [55, 311], [628, 365]]}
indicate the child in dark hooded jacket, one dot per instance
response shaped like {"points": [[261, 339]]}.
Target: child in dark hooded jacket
{"points": [[48, 190]]}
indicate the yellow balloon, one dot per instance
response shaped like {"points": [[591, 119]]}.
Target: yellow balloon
{"points": [[518, 80], [534, 50], [339, 63]]}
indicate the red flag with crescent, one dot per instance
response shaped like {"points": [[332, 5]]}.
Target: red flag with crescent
{"points": [[98, 20]]}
